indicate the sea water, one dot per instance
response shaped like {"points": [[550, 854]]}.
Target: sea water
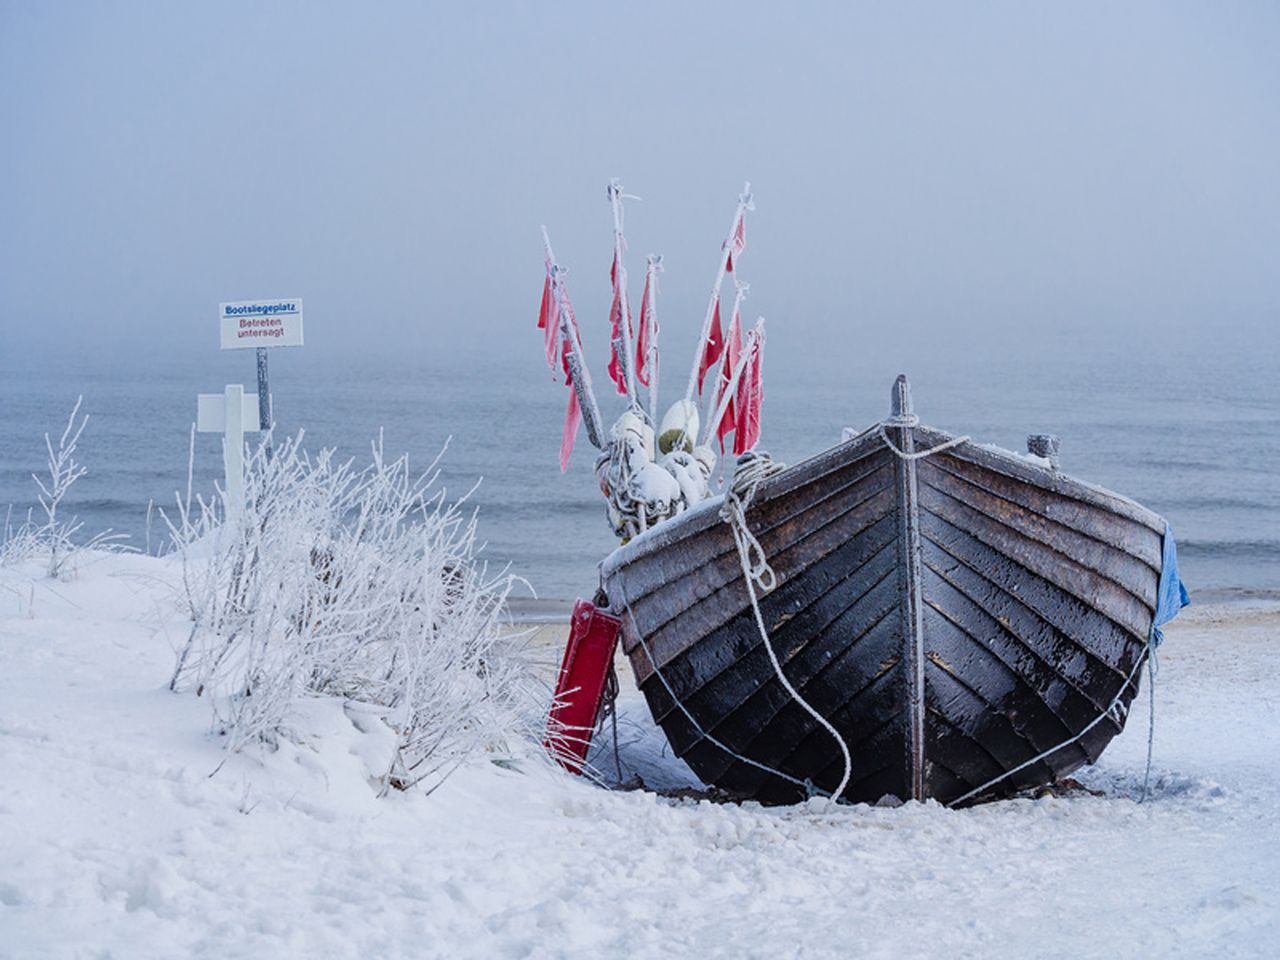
{"points": [[1188, 425]]}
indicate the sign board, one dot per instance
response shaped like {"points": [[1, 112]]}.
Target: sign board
{"points": [[211, 412], [261, 323]]}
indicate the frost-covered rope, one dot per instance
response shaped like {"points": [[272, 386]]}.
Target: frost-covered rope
{"points": [[908, 420], [1110, 711], [752, 469], [1152, 669], [806, 785]]}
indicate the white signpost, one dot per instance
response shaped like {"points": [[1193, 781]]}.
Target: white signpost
{"points": [[261, 324], [228, 413]]}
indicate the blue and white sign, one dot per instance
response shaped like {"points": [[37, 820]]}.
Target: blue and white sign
{"points": [[261, 323]]}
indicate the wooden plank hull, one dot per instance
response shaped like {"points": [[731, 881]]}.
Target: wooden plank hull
{"points": [[953, 617]]}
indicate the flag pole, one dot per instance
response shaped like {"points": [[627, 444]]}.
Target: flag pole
{"points": [[624, 350], [754, 340], [579, 375], [654, 264], [744, 204]]}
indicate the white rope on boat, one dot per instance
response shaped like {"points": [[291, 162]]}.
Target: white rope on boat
{"points": [[752, 469], [909, 420], [806, 785]]}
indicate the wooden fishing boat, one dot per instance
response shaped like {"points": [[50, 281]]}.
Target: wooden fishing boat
{"points": [[971, 622]]}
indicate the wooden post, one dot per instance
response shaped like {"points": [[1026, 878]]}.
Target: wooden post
{"points": [[909, 576], [230, 413], [233, 447]]}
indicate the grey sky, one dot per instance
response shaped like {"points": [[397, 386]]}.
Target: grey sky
{"points": [[924, 167]]}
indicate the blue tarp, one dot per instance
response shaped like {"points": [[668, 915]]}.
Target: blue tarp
{"points": [[1172, 595]]}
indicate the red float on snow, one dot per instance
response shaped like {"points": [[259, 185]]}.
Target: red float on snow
{"points": [[593, 637]]}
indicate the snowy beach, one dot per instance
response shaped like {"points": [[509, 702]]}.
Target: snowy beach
{"points": [[885, 375], [125, 831]]}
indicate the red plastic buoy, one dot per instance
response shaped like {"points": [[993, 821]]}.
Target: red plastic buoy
{"points": [[593, 637]]}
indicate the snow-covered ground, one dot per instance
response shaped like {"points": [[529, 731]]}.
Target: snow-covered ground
{"points": [[125, 831]]}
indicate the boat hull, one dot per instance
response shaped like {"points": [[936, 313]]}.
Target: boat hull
{"points": [[961, 618]]}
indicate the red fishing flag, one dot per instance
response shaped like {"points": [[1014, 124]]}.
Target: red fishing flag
{"points": [[732, 353], [572, 417], [750, 397], [647, 331], [549, 316], [544, 311], [616, 372], [713, 348], [573, 414]]}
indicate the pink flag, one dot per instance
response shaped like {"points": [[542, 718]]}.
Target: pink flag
{"points": [[544, 311], [646, 332], [749, 398], [549, 317], [573, 414], [572, 417], [713, 348], [733, 351], [616, 372]]}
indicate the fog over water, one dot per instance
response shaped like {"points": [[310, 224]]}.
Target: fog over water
{"points": [[1052, 219]]}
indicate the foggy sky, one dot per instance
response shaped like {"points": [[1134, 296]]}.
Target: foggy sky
{"points": [[922, 169]]}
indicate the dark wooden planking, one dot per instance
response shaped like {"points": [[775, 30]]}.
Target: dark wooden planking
{"points": [[1050, 694], [952, 651], [864, 657], [668, 635], [704, 598], [965, 711], [828, 651], [769, 511], [1007, 624], [941, 781], [1110, 642], [799, 618], [866, 690], [1102, 558], [876, 753], [872, 724], [1041, 560], [968, 762], [1134, 538], [845, 682], [817, 473], [1011, 465]]}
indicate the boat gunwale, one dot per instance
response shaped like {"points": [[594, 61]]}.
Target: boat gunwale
{"points": [[997, 459]]}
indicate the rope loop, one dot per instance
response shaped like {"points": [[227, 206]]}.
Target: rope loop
{"points": [[908, 421], [752, 469]]}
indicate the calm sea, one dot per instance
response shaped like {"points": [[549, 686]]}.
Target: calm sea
{"points": [[1188, 425]]}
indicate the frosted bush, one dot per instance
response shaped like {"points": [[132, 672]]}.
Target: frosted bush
{"points": [[362, 584], [55, 538]]}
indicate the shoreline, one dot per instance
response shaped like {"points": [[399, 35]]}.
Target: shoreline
{"points": [[542, 613]]}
